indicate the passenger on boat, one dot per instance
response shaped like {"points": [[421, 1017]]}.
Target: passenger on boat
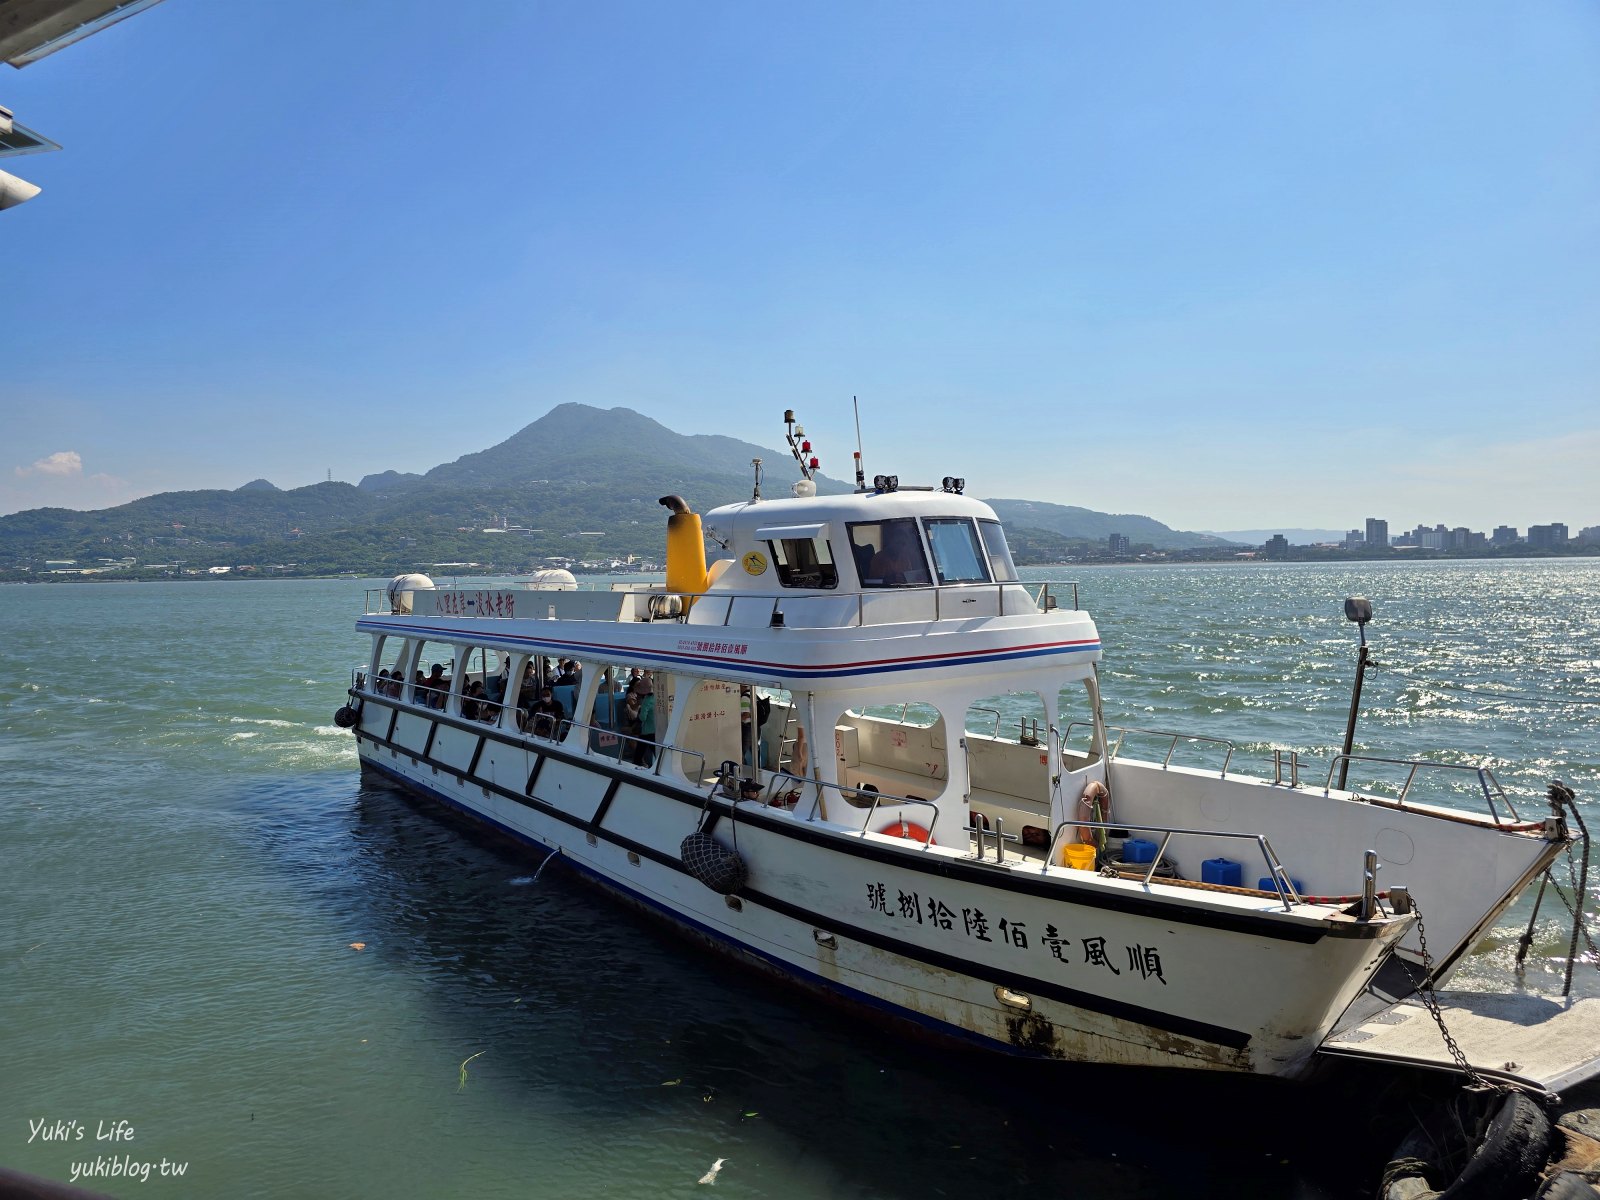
{"points": [[472, 701], [570, 675], [437, 685], [639, 722], [547, 715], [380, 685], [529, 691], [900, 562]]}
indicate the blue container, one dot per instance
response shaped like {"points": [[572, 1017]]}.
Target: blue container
{"points": [[1222, 870], [1265, 884], [1138, 850]]}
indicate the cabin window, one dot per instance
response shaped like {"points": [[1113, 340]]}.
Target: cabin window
{"points": [[393, 653], [994, 544], [889, 553], [434, 671], [957, 555], [804, 563], [485, 681], [1013, 717], [895, 750], [626, 720]]}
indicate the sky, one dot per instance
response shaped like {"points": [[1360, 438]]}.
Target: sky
{"points": [[1228, 265]]}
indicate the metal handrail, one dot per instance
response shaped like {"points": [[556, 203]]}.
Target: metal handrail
{"points": [[1043, 597], [1280, 876], [985, 708], [856, 793], [567, 724], [1123, 730], [1487, 782], [661, 748], [378, 603]]}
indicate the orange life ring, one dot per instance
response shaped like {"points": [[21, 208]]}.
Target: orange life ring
{"points": [[902, 828]]}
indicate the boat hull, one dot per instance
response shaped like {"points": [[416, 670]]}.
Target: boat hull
{"points": [[1001, 957]]}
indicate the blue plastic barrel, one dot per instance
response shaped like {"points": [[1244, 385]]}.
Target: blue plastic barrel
{"points": [[1138, 850], [1265, 884], [1222, 870]]}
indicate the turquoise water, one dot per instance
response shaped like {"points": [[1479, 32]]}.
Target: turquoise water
{"points": [[190, 854]]}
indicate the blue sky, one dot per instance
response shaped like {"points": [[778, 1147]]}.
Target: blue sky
{"points": [[1230, 265]]}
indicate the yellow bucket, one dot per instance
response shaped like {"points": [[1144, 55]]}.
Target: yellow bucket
{"points": [[1078, 855]]}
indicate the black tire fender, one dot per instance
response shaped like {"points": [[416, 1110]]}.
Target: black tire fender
{"points": [[1507, 1163]]}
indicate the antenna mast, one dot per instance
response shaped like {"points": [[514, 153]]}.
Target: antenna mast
{"points": [[861, 474]]}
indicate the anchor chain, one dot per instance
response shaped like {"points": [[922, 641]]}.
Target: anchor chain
{"points": [[1430, 1001]]}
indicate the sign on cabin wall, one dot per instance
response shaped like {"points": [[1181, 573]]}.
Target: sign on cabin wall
{"points": [[711, 722], [466, 604]]}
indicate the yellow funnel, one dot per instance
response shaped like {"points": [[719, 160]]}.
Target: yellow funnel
{"points": [[686, 548]]}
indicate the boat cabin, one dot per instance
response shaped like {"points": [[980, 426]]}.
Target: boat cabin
{"points": [[869, 659]]}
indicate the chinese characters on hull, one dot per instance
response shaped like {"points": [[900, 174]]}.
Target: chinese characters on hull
{"points": [[1094, 953]]}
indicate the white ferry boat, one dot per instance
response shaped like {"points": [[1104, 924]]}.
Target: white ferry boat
{"points": [[795, 755]]}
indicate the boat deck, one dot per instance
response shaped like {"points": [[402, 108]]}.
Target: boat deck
{"points": [[1544, 1041]]}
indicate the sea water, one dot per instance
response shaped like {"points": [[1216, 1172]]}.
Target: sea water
{"points": [[230, 967]]}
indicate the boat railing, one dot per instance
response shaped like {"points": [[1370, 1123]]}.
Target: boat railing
{"points": [[1044, 595], [1488, 785], [595, 746], [371, 685], [662, 605], [658, 751], [1282, 882], [781, 784], [1173, 739], [780, 607]]}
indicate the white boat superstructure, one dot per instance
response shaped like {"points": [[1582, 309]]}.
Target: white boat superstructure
{"points": [[791, 754]]}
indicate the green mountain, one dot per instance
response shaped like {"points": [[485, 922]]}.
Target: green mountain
{"points": [[579, 483], [574, 443]]}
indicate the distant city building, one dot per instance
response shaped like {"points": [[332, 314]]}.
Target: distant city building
{"points": [[1505, 535], [1277, 546], [1457, 538], [1354, 540], [1547, 537], [1377, 532], [1431, 539], [1589, 535], [1118, 545]]}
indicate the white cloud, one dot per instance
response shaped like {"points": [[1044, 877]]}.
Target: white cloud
{"points": [[62, 463], [58, 481]]}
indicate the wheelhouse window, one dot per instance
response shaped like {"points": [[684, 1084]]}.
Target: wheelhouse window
{"points": [[994, 544], [804, 563], [889, 553], [957, 555]]}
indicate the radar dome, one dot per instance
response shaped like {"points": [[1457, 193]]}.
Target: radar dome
{"points": [[401, 587], [553, 580]]}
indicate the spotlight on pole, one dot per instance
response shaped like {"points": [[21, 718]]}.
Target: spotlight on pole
{"points": [[1359, 610]]}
